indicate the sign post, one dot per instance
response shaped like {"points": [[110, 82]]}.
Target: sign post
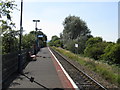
{"points": [[76, 46]]}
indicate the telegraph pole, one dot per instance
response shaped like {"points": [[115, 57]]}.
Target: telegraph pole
{"points": [[20, 38]]}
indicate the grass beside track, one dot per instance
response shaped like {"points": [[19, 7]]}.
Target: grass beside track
{"points": [[108, 72]]}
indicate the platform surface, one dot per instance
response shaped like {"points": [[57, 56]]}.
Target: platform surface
{"points": [[43, 71]]}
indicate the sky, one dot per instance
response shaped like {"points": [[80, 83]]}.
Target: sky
{"points": [[118, 20], [101, 16]]}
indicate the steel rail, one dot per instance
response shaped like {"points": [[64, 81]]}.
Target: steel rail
{"points": [[89, 77]]}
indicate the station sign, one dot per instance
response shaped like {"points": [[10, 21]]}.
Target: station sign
{"points": [[40, 35]]}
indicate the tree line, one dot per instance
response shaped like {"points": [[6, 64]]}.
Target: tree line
{"points": [[76, 31]]}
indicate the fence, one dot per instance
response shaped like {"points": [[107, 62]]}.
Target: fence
{"points": [[10, 63]]}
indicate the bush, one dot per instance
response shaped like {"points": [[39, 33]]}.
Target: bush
{"points": [[93, 41], [115, 53], [106, 56], [55, 42], [112, 53], [28, 40], [118, 41], [95, 50]]}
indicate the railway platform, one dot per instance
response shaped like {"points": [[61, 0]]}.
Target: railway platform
{"points": [[46, 72]]}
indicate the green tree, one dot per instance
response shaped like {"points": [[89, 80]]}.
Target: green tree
{"points": [[6, 8], [54, 38], [95, 47], [55, 41], [73, 28], [112, 53], [28, 40], [76, 30], [93, 41], [81, 41], [115, 53], [71, 46], [10, 42]]}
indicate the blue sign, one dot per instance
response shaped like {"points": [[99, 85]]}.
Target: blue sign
{"points": [[40, 35]]}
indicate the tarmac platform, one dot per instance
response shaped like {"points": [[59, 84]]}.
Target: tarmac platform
{"points": [[47, 71]]}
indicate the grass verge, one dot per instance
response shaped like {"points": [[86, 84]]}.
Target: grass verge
{"points": [[108, 72]]}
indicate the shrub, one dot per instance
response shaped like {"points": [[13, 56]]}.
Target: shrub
{"points": [[55, 42], [112, 53], [115, 53], [93, 41], [95, 50], [118, 41], [106, 56]]}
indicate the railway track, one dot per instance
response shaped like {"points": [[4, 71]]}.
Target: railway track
{"points": [[82, 80]]}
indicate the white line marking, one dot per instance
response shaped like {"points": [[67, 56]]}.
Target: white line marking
{"points": [[69, 78]]}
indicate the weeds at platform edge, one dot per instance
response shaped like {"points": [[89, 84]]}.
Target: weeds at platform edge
{"points": [[108, 72]]}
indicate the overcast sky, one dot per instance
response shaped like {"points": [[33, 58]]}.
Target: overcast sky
{"points": [[101, 17]]}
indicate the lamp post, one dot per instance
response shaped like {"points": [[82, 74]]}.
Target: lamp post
{"points": [[20, 38], [36, 45]]}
